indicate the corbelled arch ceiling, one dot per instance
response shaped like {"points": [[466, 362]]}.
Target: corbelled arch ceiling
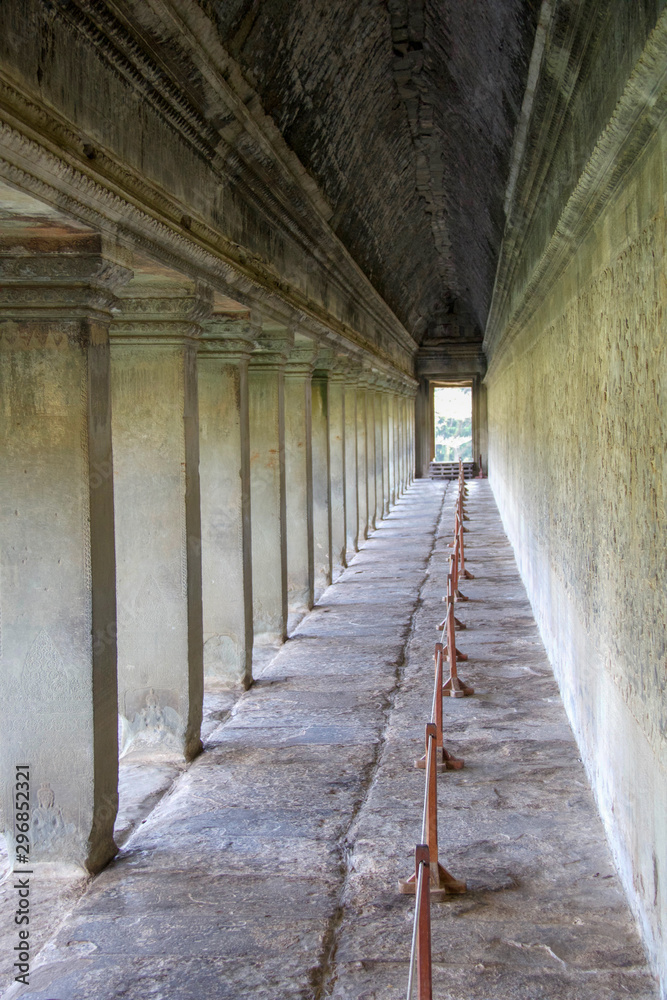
{"points": [[404, 113]]}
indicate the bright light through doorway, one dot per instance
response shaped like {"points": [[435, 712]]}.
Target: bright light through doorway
{"points": [[453, 424]]}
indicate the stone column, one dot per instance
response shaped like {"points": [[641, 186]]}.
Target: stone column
{"points": [[411, 436], [156, 494], [380, 468], [386, 453], [321, 478], [421, 431], [391, 442], [266, 381], [401, 419], [336, 392], [351, 482], [400, 481], [398, 485], [58, 711], [299, 479], [362, 461], [404, 439], [224, 472], [371, 475], [479, 422]]}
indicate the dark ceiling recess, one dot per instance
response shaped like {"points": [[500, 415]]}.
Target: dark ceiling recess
{"points": [[404, 113]]}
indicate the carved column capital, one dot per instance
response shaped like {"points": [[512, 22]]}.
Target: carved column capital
{"points": [[323, 362], [272, 347], [158, 311], [58, 281], [302, 360], [227, 338]]}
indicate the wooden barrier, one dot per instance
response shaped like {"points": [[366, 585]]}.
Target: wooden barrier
{"points": [[444, 761], [455, 687], [442, 883]]}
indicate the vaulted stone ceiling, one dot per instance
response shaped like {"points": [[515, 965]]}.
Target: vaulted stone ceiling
{"points": [[404, 113]]}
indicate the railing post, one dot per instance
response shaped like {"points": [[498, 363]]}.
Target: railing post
{"points": [[423, 905], [445, 761], [466, 574], [454, 687], [443, 883]]}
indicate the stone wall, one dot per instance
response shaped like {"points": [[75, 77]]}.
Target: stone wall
{"points": [[577, 410]]}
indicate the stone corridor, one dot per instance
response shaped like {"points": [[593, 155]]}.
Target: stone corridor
{"points": [[269, 869]]}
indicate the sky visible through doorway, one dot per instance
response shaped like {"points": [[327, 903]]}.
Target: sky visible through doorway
{"points": [[453, 424]]}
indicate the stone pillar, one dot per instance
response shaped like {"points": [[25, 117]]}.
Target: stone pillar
{"points": [[380, 468], [336, 393], [351, 472], [407, 446], [400, 437], [266, 380], [58, 711], [362, 461], [299, 478], [156, 494], [422, 432], [398, 487], [404, 440], [480, 434], [386, 453], [371, 474], [321, 480], [224, 472], [411, 436], [391, 438]]}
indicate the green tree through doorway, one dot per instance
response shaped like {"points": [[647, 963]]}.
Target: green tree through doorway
{"points": [[453, 424]]}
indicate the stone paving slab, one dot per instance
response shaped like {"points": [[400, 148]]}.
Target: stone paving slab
{"points": [[269, 869]]}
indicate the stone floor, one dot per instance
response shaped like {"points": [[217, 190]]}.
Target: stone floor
{"points": [[268, 870]]}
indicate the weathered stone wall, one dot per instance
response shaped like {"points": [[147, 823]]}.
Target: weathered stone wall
{"points": [[577, 404]]}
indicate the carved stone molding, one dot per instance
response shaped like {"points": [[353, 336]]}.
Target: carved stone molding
{"points": [[160, 312], [58, 282], [302, 360], [232, 340], [272, 348]]}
